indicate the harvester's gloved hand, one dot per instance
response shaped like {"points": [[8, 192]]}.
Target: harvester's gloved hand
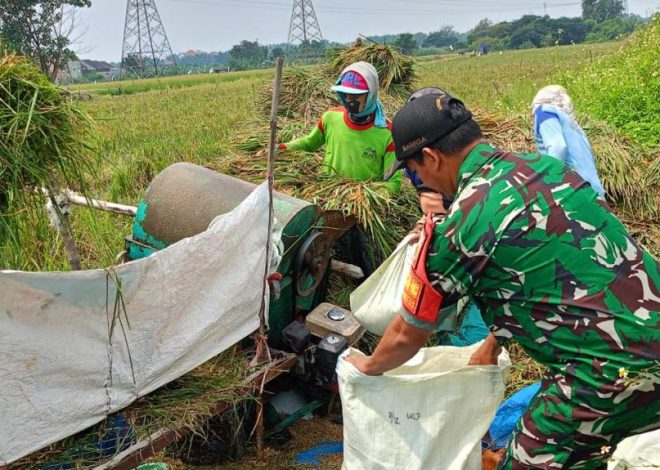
{"points": [[278, 148]]}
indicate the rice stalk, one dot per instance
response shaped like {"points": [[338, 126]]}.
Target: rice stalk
{"points": [[395, 70], [43, 134]]}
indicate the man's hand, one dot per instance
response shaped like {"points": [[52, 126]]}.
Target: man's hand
{"points": [[361, 363], [487, 353], [415, 233]]}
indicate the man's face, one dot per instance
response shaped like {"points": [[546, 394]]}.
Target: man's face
{"points": [[355, 103], [437, 171]]}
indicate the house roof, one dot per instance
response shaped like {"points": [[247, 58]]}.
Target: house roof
{"points": [[97, 65]]}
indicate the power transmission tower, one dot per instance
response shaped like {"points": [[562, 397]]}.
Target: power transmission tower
{"points": [[625, 7], [305, 30], [145, 45]]}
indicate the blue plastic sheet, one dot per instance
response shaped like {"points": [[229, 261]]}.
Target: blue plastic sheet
{"points": [[508, 414], [310, 457], [471, 330]]}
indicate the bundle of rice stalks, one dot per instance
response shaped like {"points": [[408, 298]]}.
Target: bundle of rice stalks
{"points": [[386, 219], [512, 133], [42, 133], [305, 93], [630, 177], [395, 70], [256, 136], [187, 402]]}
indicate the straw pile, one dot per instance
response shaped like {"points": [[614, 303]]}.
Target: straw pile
{"points": [[395, 70], [385, 218], [42, 133], [306, 93]]}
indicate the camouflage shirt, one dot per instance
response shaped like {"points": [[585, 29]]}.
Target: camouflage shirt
{"points": [[549, 265]]}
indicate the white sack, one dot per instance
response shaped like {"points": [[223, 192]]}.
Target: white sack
{"points": [[377, 300], [637, 452], [59, 373], [429, 413]]}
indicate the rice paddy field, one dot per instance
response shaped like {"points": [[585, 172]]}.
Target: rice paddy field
{"points": [[219, 121], [145, 125]]}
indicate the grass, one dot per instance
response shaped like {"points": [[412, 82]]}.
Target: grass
{"points": [[507, 82]]}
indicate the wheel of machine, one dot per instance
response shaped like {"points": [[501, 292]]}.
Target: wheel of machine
{"points": [[312, 261]]}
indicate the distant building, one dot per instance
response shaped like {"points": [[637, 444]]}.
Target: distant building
{"points": [[79, 69], [96, 66]]}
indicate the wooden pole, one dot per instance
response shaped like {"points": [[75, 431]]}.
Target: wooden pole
{"points": [[349, 270], [271, 176], [67, 236]]}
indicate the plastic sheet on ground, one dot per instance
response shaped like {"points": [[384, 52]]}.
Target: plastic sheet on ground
{"points": [[77, 346]]}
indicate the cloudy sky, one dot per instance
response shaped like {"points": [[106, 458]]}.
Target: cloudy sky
{"points": [[213, 25]]}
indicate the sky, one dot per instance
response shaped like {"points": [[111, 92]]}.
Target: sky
{"points": [[216, 25]]}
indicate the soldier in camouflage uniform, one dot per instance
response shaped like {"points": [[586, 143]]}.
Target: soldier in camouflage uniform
{"points": [[550, 267]]}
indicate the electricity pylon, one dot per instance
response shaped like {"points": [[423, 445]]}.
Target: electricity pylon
{"points": [[305, 30], [145, 47]]}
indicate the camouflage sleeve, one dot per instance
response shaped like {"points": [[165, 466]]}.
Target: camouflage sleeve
{"points": [[465, 240]]}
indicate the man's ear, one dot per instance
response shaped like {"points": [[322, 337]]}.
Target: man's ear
{"points": [[432, 158]]}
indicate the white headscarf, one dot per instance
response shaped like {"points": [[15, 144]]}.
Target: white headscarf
{"points": [[554, 95]]}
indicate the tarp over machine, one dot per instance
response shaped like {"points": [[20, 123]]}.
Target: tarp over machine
{"points": [[62, 371]]}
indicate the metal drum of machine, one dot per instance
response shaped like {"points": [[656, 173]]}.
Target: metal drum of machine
{"points": [[183, 200]]}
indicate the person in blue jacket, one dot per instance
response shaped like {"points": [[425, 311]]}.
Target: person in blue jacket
{"points": [[559, 135]]}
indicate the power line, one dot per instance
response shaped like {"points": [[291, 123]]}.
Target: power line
{"points": [[446, 11]]}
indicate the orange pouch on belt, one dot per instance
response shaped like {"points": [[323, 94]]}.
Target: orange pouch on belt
{"points": [[419, 298]]}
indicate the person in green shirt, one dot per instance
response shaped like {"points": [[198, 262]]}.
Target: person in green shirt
{"points": [[356, 135], [358, 145], [550, 267]]}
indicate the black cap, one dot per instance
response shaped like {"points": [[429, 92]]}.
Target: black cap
{"points": [[423, 120]]}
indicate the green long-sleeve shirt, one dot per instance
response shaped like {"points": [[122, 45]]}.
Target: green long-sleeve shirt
{"points": [[360, 152]]}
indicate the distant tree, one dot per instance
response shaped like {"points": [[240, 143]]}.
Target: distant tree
{"points": [[420, 38], [529, 30], [483, 24], [602, 10], [499, 32], [134, 63], [609, 30], [277, 52], [406, 43], [445, 36], [40, 30], [247, 55]]}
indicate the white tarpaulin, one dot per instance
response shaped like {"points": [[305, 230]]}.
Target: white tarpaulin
{"points": [[62, 371]]}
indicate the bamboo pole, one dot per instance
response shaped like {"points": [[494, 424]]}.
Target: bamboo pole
{"points": [[78, 200], [271, 176]]}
